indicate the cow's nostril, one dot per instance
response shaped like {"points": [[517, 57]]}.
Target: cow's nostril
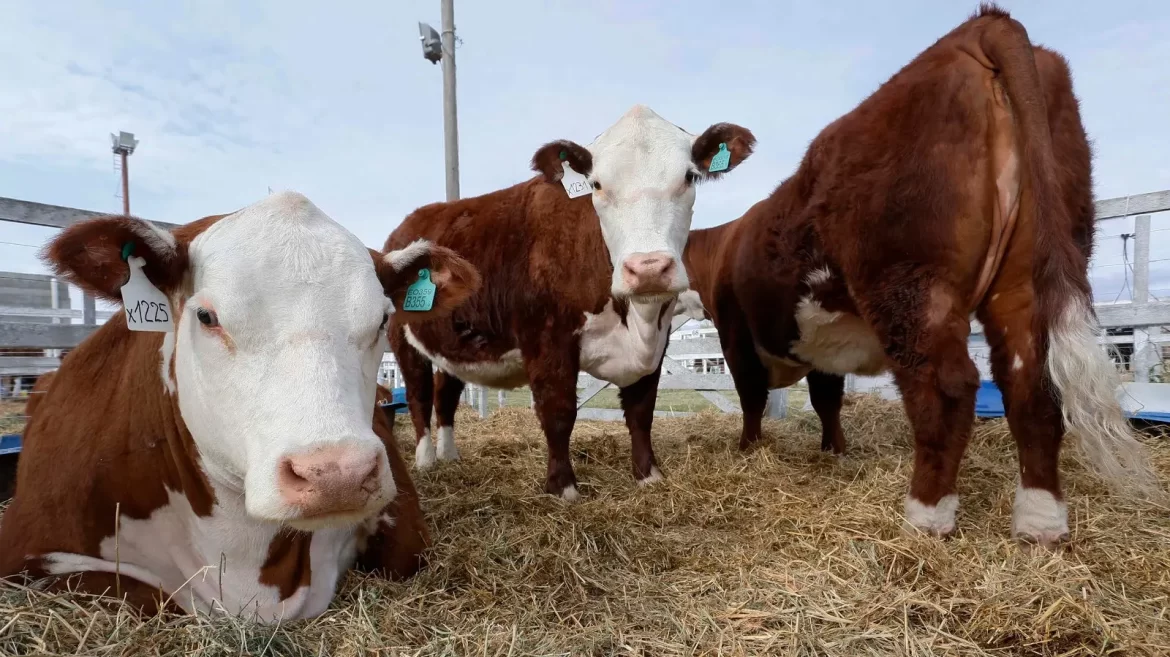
{"points": [[290, 478]]}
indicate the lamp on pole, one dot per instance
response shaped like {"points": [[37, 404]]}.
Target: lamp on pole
{"points": [[438, 48], [124, 144]]}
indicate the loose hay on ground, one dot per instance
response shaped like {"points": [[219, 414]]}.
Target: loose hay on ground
{"points": [[783, 551]]}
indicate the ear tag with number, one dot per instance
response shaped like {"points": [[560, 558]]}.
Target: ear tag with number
{"points": [[420, 296], [721, 159], [146, 308], [574, 182]]}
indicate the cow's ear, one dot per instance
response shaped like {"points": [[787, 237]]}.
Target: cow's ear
{"points": [[93, 253], [547, 159], [454, 278], [736, 140]]}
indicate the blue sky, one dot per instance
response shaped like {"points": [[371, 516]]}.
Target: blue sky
{"points": [[335, 100]]}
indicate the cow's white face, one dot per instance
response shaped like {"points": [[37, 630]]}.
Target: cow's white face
{"points": [[276, 358], [643, 171], [280, 327]]}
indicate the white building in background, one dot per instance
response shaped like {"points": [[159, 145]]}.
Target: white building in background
{"points": [[702, 361]]}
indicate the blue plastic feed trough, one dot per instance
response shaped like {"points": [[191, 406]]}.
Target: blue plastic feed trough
{"points": [[397, 401], [9, 443], [988, 401], [1142, 401]]}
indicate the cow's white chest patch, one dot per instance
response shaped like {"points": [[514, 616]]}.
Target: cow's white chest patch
{"points": [[213, 563], [507, 372], [623, 354], [836, 342], [782, 372]]}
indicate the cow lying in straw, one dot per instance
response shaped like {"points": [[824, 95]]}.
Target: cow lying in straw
{"points": [[235, 459]]}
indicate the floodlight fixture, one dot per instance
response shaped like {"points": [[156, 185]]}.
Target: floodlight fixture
{"points": [[432, 44], [123, 142]]}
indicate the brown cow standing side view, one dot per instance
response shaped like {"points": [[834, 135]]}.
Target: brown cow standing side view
{"points": [[569, 284], [962, 185]]}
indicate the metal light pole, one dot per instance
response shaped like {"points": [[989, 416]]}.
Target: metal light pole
{"points": [[443, 49], [450, 117], [123, 144]]}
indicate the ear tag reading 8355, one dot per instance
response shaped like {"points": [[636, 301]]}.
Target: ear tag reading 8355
{"points": [[147, 309], [721, 160], [421, 293]]}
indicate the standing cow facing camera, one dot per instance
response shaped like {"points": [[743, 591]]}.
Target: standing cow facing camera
{"points": [[569, 284], [233, 459]]}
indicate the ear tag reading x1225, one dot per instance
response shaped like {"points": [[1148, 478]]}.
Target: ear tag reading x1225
{"points": [[147, 309]]}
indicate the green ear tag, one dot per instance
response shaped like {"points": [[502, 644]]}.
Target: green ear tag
{"points": [[721, 159], [420, 296]]}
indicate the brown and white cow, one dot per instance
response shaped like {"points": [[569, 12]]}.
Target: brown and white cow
{"points": [[570, 284], [961, 186], [236, 462]]}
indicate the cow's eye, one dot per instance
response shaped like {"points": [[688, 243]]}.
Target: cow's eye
{"points": [[691, 177], [207, 317], [596, 186], [385, 318]]}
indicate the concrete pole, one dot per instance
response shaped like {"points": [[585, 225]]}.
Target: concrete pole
{"points": [[450, 121], [1142, 359], [125, 185]]}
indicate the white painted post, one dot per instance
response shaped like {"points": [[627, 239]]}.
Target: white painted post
{"points": [[777, 403], [1140, 363], [55, 293], [482, 401], [502, 398]]}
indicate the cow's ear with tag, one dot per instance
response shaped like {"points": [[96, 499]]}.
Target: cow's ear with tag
{"points": [[721, 148], [96, 255], [551, 158], [425, 281]]}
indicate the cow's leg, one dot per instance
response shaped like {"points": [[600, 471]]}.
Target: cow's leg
{"points": [[419, 381], [144, 598], [1039, 515], [552, 360], [750, 376], [638, 405], [447, 391], [826, 392], [397, 543], [923, 325]]}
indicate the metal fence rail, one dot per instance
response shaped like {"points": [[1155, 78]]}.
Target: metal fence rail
{"points": [[1144, 315]]}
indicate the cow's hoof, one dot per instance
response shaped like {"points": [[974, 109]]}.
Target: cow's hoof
{"points": [[564, 487], [424, 454], [447, 451], [746, 445], [654, 477], [935, 520], [1039, 519], [1049, 542]]}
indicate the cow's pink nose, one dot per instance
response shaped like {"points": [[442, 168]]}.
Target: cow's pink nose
{"points": [[334, 479], [649, 273]]}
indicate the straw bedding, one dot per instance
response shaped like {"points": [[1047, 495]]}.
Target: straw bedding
{"points": [[782, 551]]}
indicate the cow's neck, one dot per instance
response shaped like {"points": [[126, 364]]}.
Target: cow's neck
{"points": [[700, 257], [626, 340]]}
